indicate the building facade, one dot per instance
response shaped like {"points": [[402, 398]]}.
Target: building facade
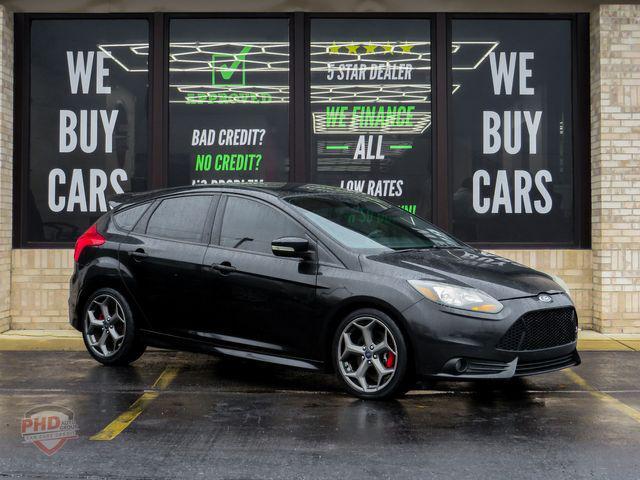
{"points": [[517, 131]]}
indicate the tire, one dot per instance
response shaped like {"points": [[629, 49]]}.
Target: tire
{"points": [[101, 327], [349, 357]]}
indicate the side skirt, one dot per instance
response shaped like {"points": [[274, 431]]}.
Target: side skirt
{"points": [[174, 342]]}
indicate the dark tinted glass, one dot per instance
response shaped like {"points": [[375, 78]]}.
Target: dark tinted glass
{"points": [[371, 108], [88, 132], [228, 100], [128, 218], [365, 223], [511, 163], [251, 225], [180, 218]]}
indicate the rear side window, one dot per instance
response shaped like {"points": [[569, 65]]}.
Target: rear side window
{"points": [[251, 225], [180, 218], [127, 219]]}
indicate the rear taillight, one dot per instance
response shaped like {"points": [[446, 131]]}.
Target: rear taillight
{"points": [[89, 238]]}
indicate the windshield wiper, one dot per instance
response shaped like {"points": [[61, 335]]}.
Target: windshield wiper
{"points": [[434, 247], [415, 249]]}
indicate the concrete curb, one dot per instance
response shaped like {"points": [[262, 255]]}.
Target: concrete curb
{"points": [[70, 340], [53, 344]]}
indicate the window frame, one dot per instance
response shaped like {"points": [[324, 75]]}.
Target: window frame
{"points": [[22, 114], [310, 163], [580, 104], [301, 163], [164, 21]]}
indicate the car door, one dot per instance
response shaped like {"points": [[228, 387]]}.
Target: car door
{"points": [[262, 302], [163, 257]]}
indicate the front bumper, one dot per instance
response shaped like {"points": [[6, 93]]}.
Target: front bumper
{"points": [[451, 345]]}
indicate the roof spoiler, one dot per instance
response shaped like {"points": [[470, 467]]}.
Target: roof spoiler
{"points": [[117, 200]]}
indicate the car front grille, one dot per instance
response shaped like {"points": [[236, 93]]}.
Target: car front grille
{"points": [[541, 329]]}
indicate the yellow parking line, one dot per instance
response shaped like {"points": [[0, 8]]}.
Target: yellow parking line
{"points": [[165, 378], [116, 427], [125, 419], [606, 398]]}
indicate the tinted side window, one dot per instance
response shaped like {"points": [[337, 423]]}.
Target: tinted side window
{"points": [[251, 225], [180, 218], [127, 219]]}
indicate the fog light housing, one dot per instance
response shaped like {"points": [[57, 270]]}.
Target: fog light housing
{"points": [[461, 365]]}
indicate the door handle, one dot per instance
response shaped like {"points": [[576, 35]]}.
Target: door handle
{"points": [[138, 254], [224, 267]]}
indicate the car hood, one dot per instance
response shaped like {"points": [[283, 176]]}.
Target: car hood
{"points": [[499, 277]]}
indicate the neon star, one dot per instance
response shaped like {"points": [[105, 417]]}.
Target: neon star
{"points": [[353, 48], [334, 48], [406, 48], [370, 48], [388, 48]]}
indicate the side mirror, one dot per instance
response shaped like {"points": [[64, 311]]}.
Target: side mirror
{"points": [[290, 247]]}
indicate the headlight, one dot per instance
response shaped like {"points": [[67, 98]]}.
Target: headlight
{"points": [[457, 297]]}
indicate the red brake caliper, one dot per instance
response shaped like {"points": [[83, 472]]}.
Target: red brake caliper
{"points": [[391, 358]]}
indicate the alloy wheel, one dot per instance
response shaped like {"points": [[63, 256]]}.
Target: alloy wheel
{"points": [[367, 354], [105, 326]]}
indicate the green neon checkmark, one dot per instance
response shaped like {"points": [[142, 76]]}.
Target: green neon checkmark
{"points": [[227, 71]]}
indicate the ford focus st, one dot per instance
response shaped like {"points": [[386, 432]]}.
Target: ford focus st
{"points": [[313, 277]]}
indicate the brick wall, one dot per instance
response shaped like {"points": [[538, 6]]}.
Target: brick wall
{"points": [[615, 167], [40, 288], [6, 162]]}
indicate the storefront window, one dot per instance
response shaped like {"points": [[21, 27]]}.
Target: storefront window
{"points": [[88, 131], [510, 131], [228, 100], [94, 95], [371, 108]]}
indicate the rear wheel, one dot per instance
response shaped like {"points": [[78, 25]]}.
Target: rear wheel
{"points": [[371, 355], [109, 331]]}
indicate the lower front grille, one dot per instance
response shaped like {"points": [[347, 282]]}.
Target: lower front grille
{"points": [[542, 366], [485, 367], [541, 329]]}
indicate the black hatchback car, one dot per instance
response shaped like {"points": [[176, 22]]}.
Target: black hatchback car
{"points": [[314, 277]]}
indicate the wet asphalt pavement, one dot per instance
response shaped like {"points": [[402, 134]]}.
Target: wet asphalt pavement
{"points": [[244, 420]]}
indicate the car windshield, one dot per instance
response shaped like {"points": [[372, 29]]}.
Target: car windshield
{"points": [[368, 224]]}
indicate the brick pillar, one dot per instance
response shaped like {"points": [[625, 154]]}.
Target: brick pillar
{"points": [[615, 167], [6, 163]]}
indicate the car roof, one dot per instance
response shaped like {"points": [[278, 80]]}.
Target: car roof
{"points": [[272, 188]]}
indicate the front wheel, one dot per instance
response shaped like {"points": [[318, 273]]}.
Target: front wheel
{"points": [[371, 355], [108, 331]]}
